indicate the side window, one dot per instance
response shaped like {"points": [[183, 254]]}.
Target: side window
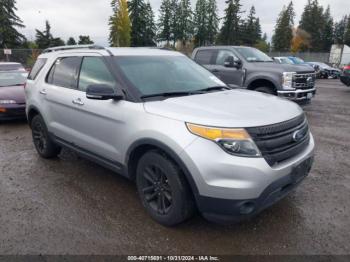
{"points": [[204, 57], [95, 72], [39, 64], [64, 72], [222, 56]]}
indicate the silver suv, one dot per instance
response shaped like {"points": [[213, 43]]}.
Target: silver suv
{"points": [[156, 117]]}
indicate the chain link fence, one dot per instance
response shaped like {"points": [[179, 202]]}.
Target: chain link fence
{"points": [[26, 57], [306, 56]]}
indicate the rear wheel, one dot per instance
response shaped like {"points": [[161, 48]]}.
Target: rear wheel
{"points": [[163, 190], [45, 147], [266, 90]]}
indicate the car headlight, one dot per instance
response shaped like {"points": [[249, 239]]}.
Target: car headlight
{"points": [[5, 102], [287, 80], [235, 141]]}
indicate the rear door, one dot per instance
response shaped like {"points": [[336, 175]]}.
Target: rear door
{"points": [[59, 89], [232, 76]]}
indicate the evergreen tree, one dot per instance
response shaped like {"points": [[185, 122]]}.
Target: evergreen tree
{"points": [[164, 23], [185, 21], [120, 27], [347, 32], [283, 34], [85, 40], [174, 21], [201, 23], [312, 21], [138, 17], [150, 27], [71, 41], [327, 32], [231, 29], [9, 21], [44, 39], [340, 30], [213, 22], [251, 29]]}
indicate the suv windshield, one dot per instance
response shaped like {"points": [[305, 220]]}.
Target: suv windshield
{"points": [[253, 55], [12, 78], [164, 75]]}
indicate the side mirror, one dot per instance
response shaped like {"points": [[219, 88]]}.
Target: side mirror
{"points": [[102, 92], [232, 62]]}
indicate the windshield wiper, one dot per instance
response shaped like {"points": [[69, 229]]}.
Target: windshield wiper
{"points": [[169, 94], [213, 88]]}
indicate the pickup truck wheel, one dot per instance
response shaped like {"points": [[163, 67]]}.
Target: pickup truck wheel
{"points": [[45, 147], [266, 90], [163, 189]]}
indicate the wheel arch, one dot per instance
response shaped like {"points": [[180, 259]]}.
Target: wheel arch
{"points": [[262, 82], [32, 112], [140, 147]]}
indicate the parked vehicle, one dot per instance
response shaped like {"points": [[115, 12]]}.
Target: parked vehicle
{"points": [[345, 76], [158, 118], [327, 71], [12, 101], [249, 68], [283, 60]]}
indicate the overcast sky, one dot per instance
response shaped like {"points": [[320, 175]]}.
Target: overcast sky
{"points": [[90, 17]]}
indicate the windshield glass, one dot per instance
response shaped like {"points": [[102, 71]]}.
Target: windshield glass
{"points": [[298, 61], [166, 74], [253, 55], [12, 78], [285, 60]]}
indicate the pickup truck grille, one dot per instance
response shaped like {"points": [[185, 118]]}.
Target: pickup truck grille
{"points": [[304, 81], [280, 142]]}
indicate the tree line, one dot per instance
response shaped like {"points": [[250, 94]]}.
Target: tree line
{"points": [[316, 31], [179, 25]]}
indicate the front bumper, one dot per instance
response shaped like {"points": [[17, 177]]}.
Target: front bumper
{"points": [[233, 188], [297, 95], [13, 111]]}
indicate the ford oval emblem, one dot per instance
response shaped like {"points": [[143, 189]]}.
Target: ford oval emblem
{"points": [[298, 135]]}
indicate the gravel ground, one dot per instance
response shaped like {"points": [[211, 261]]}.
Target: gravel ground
{"points": [[72, 206]]}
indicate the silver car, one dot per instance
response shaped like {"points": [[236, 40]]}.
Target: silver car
{"points": [[156, 117]]}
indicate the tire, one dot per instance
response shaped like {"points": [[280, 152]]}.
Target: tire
{"points": [[45, 147], [266, 90], [163, 190]]}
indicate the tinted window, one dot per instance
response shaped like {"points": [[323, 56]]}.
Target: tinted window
{"points": [[223, 55], [204, 57], [94, 72], [64, 72], [39, 64]]}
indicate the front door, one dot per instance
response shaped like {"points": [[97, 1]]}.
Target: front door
{"points": [[231, 76]]}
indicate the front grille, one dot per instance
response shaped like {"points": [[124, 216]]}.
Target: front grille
{"points": [[278, 143], [304, 81]]}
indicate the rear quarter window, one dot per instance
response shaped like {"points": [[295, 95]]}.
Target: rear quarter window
{"points": [[39, 64], [205, 57]]}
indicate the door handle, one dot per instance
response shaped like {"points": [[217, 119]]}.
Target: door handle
{"points": [[43, 92], [78, 102]]}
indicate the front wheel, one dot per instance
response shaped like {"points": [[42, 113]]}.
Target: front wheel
{"points": [[163, 189], [45, 147]]}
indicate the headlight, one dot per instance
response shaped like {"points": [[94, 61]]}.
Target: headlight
{"points": [[4, 102], [287, 80], [235, 141]]}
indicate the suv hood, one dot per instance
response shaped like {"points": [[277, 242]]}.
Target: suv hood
{"points": [[282, 67], [233, 108]]}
